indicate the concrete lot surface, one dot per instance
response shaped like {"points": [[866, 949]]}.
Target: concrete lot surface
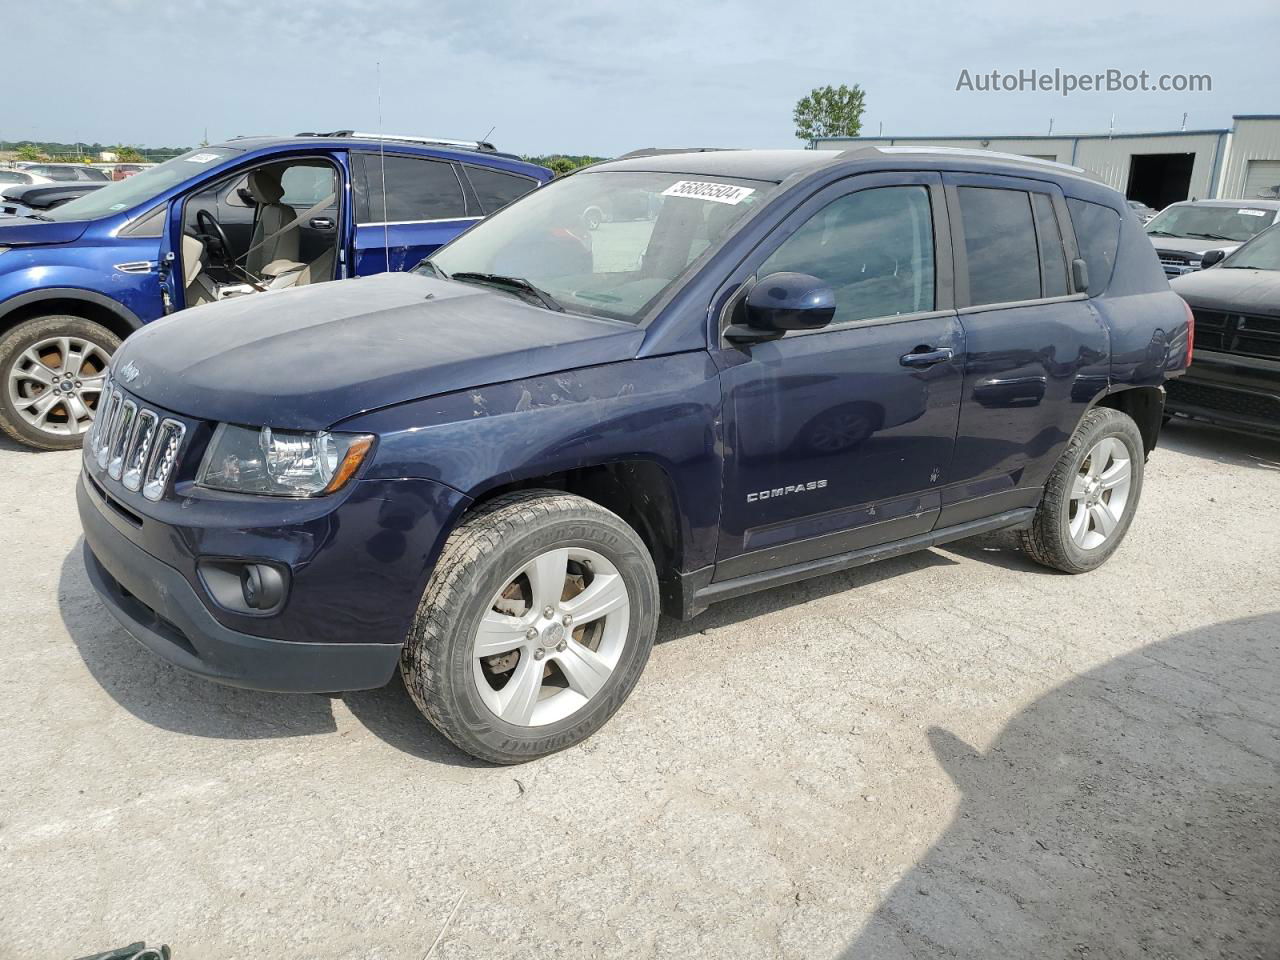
{"points": [[952, 754]]}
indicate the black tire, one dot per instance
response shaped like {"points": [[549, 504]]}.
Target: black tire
{"points": [[12, 346], [1048, 541], [499, 537]]}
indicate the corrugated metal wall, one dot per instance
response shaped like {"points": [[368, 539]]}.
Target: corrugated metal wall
{"points": [[1253, 139], [1221, 167]]}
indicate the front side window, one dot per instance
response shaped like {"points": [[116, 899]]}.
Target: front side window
{"points": [[416, 190], [874, 248], [999, 245], [556, 239]]}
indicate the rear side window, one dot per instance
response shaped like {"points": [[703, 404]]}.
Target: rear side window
{"points": [[417, 189], [874, 248], [1000, 245], [496, 189], [1098, 237], [1053, 258]]}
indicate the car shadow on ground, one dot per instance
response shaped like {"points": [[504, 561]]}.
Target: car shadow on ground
{"points": [[1198, 439], [12, 446], [1131, 812], [166, 697]]}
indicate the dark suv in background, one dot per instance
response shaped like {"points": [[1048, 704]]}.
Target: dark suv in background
{"points": [[493, 472], [1234, 380], [243, 217]]}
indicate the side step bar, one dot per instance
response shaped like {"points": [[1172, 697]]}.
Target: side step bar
{"points": [[740, 586]]}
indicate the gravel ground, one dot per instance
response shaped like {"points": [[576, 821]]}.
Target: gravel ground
{"points": [[950, 754]]}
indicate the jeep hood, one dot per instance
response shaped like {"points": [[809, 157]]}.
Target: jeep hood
{"points": [[1230, 290], [24, 231], [310, 357]]}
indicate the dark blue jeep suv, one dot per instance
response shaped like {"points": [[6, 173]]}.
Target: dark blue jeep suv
{"points": [[494, 471], [247, 216]]}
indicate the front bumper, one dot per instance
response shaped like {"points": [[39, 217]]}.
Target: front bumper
{"points": [[1242, 393], [156, 604]]}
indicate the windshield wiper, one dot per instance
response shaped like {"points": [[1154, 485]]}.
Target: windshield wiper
{"points": [[39, 216], [1161, 233], [1212, 236], [510, 283]]}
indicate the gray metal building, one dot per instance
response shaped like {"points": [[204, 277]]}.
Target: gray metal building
{"points": [[1242, 162]]}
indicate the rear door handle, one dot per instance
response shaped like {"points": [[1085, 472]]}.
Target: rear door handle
{"points": [[926, 356], [322, 223]]}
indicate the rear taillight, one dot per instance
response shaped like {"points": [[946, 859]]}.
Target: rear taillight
{"points": [[1191, 331]]}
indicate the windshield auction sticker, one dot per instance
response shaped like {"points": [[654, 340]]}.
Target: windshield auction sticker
{"points": [[202, 157], [715, 192]]}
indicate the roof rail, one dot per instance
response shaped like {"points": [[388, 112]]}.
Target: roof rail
{"points": [[980, 154], [659, 151], [484, 146]]}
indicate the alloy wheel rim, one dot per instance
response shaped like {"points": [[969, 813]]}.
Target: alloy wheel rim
{"points": [[1100, 493], [56, 383], [551, 637]]}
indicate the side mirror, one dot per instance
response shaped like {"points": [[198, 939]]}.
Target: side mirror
{"points": [[1212, 257], [782, 302], [1080, 275]]}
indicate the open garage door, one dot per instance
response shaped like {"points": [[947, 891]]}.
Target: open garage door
{"points": [[1262, 179], [1159, 179]]}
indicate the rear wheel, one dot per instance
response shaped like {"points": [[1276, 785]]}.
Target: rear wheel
{"points": [[52, 371], [1091, 495], [535, 627]]}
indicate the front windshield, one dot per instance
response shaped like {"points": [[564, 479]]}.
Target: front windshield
{"points": [[1261, 254], [141, 187], [605, 243], [1211, 223]]}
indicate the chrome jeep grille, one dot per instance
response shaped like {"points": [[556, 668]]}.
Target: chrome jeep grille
{"points": [[134, 445]]}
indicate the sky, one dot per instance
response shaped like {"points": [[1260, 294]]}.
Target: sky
{"points": [[604, 78]]}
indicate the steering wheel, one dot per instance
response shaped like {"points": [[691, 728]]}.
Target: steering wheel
{"points": [[209, 228]]}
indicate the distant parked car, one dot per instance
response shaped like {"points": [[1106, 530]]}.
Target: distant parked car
{"points": [[1181, 232], [20, 177], [1144, 212], [1234, 377], [229, 220], [60, 172], [31, 199], [122, 171]]}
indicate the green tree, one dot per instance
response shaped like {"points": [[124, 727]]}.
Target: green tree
{"points": [[29, 153], [829, 112], [127, 155]]}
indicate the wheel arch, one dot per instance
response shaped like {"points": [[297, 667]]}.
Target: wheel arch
{"points": [[92, 306], [1142, 404], [639, 490]]}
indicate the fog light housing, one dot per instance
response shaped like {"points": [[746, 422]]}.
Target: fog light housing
{"points": [[261, 586], [249, 587]]}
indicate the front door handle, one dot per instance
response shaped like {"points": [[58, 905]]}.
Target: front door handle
{"points": [[322, 223], [926, 356]]}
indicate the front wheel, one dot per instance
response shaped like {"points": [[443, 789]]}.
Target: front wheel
{"points": [[52, 371], [1091, 495], [534, 628]]}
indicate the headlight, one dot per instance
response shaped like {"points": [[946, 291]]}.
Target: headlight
{"points": [[281, 463]]}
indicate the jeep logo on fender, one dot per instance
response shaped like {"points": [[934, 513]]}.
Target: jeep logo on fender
{"points": [[785, 491]]}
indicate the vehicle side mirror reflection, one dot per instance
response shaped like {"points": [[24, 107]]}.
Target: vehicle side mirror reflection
{"points": [[782, 302], [1211, 257]]}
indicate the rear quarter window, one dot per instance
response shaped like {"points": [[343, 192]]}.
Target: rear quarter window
{"points": [[496, 189], [1097, 230]]}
